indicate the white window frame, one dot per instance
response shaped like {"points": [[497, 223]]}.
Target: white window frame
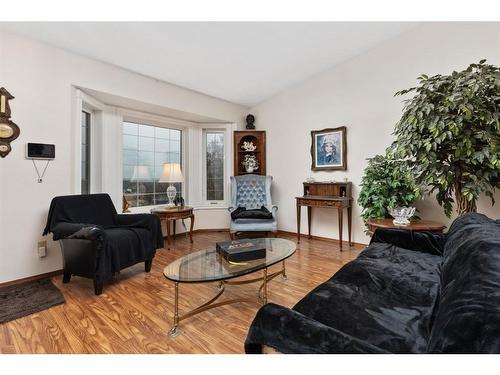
{"points": [[208, 202], [226, 129], [95, 108], [91, 148]]}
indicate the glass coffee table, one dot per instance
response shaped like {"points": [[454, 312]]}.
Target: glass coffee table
{"points": [[208, 266]]}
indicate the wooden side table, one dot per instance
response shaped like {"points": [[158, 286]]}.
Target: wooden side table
{"points": [[416, 226], [171, 215], [338, 203]]}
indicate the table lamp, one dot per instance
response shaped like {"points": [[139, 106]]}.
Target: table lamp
{"points": [[171, 173]]}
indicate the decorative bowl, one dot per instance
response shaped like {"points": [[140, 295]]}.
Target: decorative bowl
{"points": [[402, 215]]}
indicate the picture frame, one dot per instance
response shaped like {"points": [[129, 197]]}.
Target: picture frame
{"points": [[329, 149]]}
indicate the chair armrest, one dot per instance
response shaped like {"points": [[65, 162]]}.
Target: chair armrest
{"points": [[89, 232], [150, 222], [231, 209], [65, 230], [288, 331], [425, 242]]}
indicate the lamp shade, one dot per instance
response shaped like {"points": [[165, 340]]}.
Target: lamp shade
{"points": [[141, 173], [171, 173]]}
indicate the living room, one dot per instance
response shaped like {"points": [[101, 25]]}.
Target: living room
{"points": [[141, 159]]}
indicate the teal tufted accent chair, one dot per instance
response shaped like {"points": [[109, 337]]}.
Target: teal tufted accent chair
{"points": [[252, 191]]}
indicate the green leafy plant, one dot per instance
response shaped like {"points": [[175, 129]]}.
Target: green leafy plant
{"points": [[386, 183], [450, 128]]}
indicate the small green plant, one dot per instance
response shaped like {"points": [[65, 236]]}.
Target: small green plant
{"points": [[387, 183]]}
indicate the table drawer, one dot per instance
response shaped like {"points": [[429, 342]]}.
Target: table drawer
{"points": [[318, 203], [175, 215]]}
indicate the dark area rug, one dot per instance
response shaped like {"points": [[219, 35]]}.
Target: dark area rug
{"points": [[24, 299]]}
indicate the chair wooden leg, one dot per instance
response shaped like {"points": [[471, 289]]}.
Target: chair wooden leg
{"points": [[66, 277], [98, 287], [148, 264], [231, 235]]}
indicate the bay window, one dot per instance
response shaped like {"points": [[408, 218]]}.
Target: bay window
{"points": [[145, 149]]}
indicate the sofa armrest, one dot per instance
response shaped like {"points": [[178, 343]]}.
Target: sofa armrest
{"points": [[425, 242], [289, 331], [150, 222]]}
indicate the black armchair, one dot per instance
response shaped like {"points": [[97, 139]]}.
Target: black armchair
{"points": [[97, 242]]}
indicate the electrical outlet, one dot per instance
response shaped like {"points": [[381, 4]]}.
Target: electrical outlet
{"points": [[42, 249]]}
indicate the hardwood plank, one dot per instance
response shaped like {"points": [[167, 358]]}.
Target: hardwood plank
{"points": [[134, 313]]}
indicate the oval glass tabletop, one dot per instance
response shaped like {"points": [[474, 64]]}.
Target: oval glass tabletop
{"points": [[209, 265]]}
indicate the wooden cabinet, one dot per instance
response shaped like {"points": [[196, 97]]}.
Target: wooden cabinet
{"points": [[257, 138]]}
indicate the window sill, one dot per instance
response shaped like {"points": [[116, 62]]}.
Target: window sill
{"points": [[147, 209]]}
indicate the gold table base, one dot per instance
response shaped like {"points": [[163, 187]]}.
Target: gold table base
{"points": [[262, 297]]}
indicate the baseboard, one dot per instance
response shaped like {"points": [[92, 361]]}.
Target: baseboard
{"points": [[327, 239], [32, 278]]}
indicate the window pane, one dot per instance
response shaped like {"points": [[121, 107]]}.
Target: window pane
{"points": [[162, 145], [146, 158], [146, 131], [145, 200], [85, 154], [175, 135], [145, 150], [175, 157], [146, 144], [130, 128], [130, 158], [214, 166], [175, 146], [129, 142], [162, 133], [161, 158]]}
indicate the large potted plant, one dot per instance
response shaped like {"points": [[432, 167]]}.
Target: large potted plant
{"points": [[386, 183], [450, 128]]}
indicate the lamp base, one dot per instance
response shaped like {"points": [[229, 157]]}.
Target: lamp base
{"points": [[171, 193]]}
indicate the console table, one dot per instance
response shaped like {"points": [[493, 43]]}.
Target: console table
{"points": [[171, 215], [335, 195]]}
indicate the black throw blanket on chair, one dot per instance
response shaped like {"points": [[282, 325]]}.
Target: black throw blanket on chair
{"points": [[123, 239]]}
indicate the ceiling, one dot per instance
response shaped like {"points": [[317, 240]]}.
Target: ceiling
{"points": [[241, 62]]}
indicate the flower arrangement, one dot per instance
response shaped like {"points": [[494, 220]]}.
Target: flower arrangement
{"points": [[250, 163]]}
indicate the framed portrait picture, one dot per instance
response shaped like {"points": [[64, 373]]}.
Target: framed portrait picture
{"points": [[329, 149]]}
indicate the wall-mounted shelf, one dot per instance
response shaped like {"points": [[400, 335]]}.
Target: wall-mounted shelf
{"points": [[258, 138]]}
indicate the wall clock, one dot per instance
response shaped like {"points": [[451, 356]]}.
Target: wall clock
{"points": [[8, 129]]}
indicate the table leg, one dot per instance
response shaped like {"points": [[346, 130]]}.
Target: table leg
{"points": [[284, 271], [341, 214], [174, 331], [174, 222], [298, 222], [349, 223], [191, 228], [167, 222], [309, 211]]}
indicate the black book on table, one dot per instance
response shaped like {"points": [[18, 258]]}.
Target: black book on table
{"points": [[242, 250]]}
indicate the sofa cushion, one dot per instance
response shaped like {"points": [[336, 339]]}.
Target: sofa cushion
{"points": [[468, 315], [384, 297]]}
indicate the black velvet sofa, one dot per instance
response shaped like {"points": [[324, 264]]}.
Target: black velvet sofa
{"points": [[96, 241], [405, 293]]}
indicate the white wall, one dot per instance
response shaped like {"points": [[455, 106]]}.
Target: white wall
{"points": [[42, 79], [359, 95]]}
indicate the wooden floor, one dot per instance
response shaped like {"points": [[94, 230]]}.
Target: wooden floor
{"points": [[135, 311]]}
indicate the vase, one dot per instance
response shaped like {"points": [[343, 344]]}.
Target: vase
{"points": [[249, 169]]}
